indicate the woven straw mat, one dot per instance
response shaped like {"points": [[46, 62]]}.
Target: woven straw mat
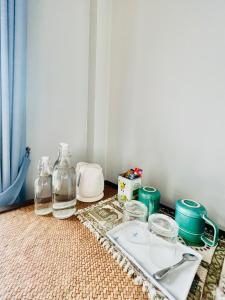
{"points": [[46, 258]]}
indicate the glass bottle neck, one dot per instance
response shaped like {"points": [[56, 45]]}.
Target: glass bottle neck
{"points": [[64, 156], [44, 168]]}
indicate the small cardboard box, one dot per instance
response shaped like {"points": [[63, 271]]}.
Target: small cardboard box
{"points": [[128, 188]]}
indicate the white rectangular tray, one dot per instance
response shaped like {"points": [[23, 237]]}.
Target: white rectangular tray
{"points": [[150, 254]]}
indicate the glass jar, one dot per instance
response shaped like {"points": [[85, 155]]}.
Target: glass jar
{"points": [[134, 210], [43, 188], [63, 184]]}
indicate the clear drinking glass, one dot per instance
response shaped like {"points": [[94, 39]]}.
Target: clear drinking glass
{"points": [[43, 188], [64, 184], [135, 211], [165, 229]]}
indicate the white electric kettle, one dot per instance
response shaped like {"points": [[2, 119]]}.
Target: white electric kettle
{"points": [[89, 182]]}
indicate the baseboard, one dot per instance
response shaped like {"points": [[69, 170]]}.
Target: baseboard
{"points": [[111, 184]]}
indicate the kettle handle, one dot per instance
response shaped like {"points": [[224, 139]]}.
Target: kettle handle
{"points": [[78, 179], [206, 240]]}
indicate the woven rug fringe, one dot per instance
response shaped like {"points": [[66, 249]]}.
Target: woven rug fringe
{"points": [[123, 262]]}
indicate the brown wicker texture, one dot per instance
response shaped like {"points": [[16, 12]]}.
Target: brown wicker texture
{"points": [[45, 258]]}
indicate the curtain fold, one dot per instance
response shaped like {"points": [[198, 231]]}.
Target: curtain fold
{"points": [[14, 160]]}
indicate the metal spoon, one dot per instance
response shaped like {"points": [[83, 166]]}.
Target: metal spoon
{"points": [[186, 257]]}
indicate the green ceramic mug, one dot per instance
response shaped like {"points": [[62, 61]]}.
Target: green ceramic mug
{"points": [[150, 196], [191, 217]]}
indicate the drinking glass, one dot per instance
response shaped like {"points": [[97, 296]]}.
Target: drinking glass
{"points": [[164, 246], [135, 211]]}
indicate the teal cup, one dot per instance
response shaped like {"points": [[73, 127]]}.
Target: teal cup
{"points": [[150, 196], [191, 218]]}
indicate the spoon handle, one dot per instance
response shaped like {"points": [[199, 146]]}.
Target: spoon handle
{"points": [[161, 273]]}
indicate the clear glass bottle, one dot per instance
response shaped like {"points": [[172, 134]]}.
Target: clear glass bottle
{"points": [[43, 188], [63, 184]]}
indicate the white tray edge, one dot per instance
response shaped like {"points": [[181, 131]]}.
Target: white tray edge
{"points": [[132, 259]]}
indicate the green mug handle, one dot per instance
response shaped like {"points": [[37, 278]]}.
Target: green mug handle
{"points": [[206, 240]]}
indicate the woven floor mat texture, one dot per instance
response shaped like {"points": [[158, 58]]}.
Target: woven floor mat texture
{"points": [[45, 258]]}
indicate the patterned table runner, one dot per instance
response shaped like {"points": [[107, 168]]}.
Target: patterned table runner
{"points": [[209, 283]]}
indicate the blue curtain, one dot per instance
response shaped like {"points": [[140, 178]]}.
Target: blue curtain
{"points": [[14, 160]]}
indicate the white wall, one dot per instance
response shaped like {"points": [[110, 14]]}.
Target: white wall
{"points": [[166, 91], [167, 98], [57, 79], [99, 80]]}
